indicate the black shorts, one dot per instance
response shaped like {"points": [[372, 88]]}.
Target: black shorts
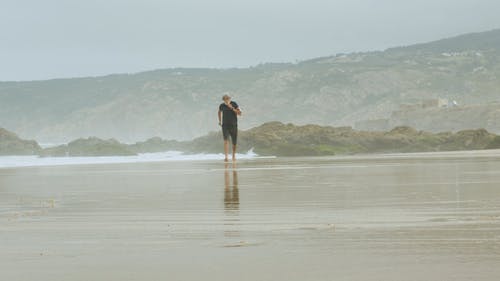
{"points": [[230, 130]]}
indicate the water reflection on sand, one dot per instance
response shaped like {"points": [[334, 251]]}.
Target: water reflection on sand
{"points": [[231, 199], [231, 193]]}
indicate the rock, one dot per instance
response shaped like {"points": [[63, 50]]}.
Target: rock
{"points": [[494, 144], [279, 139], [91, 146], [156, 144], [274, 138], [11, 144]]}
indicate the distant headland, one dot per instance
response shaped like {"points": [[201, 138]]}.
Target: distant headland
{"points": [[273, 138]]}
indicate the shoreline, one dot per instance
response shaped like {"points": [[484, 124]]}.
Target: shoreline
{"points": [[23, 161]]}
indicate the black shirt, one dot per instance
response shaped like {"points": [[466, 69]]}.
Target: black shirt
{"points": [[229, 117]]}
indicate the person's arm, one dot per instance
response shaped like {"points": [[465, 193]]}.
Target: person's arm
{"points": [[219, 114], [236, 108], [237, 111]]}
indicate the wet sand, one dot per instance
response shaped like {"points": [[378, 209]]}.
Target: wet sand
{"points": [[399, 217]]}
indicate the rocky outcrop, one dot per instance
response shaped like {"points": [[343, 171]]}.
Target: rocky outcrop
{"points": [[280, 139], [276, 139], [89, 147], [11, 144], [494, 144], [156, 144]]}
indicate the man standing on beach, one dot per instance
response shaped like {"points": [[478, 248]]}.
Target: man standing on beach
{"points": [[228, 119]]}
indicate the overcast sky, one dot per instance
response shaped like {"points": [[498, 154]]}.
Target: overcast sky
{"points": [[70, 38]]}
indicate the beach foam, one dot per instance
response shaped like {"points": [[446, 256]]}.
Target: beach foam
{"points": [[29, 161]]}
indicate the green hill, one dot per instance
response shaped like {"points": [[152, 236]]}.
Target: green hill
{"points": [[181, 103]]}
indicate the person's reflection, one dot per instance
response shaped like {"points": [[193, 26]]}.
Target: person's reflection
{"points": [[231, 202], [231, 193]]}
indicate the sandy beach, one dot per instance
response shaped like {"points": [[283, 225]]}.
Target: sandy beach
{"points": [[429, 216]]}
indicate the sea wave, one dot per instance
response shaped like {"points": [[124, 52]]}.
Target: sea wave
{"points": [[30, 161]]}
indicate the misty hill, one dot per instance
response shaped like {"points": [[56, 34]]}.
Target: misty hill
{"points": [[439, 119], [472, 41], [181, 103]]}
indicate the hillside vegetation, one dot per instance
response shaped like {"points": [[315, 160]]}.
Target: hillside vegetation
{"points": [[181, 103]]}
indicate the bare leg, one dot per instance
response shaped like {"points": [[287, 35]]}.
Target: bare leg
{"points": [[226, 149], [234, 152]]}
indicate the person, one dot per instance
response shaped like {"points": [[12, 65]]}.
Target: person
{"points": [[228, 120]]}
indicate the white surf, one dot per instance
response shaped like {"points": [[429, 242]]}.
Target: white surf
{"points": [[29, 161]]}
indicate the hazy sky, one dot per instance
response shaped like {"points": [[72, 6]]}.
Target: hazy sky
{"points": [[68, 38]]}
